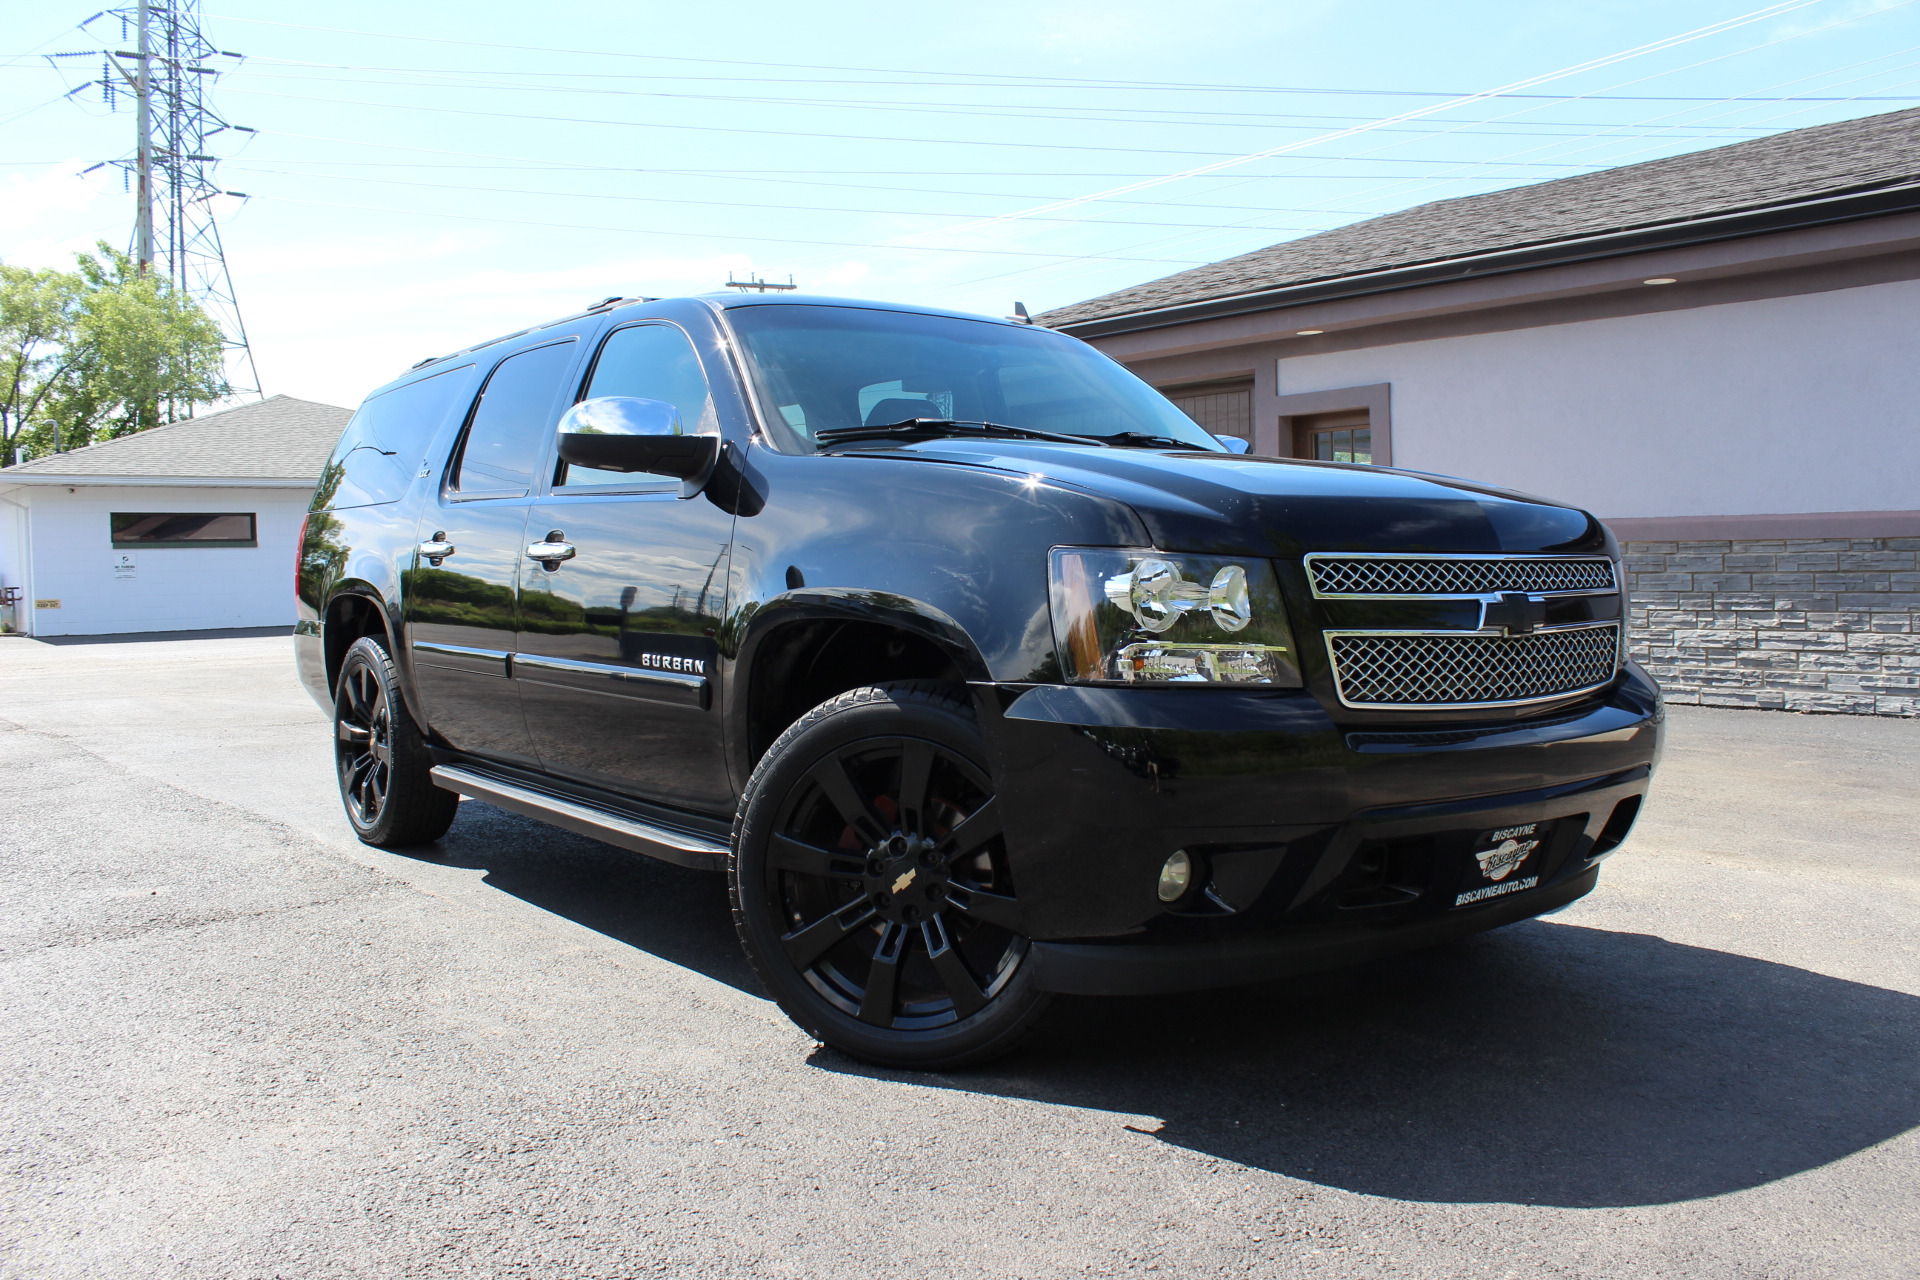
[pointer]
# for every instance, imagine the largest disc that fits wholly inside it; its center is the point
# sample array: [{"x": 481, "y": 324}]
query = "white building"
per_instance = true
[
  {"x": 186, "y": 527},
  {"x": 1716, "y": 353}
]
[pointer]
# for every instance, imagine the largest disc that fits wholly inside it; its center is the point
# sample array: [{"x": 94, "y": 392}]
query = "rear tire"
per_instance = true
[
  {"x": 380, "y": 758},
  {"x": 870, "y": 882}
]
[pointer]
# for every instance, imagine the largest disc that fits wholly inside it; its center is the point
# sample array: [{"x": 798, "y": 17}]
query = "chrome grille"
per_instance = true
[
  {"x": 1455, "y": 576},
  {"x": 1387, "y": 669}
]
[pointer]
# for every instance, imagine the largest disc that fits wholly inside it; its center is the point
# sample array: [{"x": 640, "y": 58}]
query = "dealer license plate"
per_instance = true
[{"x": 1504, "y": 861}]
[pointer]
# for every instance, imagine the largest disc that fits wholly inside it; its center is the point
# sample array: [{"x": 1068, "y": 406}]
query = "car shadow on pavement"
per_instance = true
[
  {"x": 676, "y": 913},
  {"x": 1543, "y": 1064}
]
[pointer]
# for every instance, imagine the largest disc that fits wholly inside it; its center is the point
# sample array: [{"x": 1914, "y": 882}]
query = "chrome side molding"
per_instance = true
[{"x": 660, "y": 683}]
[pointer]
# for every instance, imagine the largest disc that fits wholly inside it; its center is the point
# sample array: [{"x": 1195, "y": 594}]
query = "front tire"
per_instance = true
[
  {"x": 380, "y": 758},
  {"x": 870, "y": 882}
]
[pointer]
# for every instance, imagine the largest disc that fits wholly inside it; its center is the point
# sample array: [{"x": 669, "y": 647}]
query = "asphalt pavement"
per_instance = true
[{"x": 237, "y": 1043}]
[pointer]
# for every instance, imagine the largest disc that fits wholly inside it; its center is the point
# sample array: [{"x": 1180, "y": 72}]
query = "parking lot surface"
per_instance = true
[{"x": 240, "y": 1044}]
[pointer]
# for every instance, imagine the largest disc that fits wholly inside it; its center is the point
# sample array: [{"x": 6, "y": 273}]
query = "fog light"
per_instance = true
[{"x": 1176, "y": 877}]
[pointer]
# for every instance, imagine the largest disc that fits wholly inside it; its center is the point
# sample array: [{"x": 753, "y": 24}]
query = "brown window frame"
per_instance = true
[
  {"x": 1308, "y": 427},
  {"x": 1374, "y": 400}
]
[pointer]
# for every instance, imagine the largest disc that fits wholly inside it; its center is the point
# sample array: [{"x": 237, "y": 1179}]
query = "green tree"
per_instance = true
[
  {"x": 101, "y": 351},
  {"x": 37, "y": 352}
]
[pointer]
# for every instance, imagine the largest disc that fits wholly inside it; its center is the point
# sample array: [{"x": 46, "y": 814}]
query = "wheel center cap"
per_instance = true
[{"x": 905, "y": 880}]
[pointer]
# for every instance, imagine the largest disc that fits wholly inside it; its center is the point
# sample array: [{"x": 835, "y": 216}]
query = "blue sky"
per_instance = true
[{"x": 428, "y": 174}]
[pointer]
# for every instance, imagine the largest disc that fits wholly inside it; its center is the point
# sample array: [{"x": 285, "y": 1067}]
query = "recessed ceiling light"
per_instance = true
[
  {"x": 1308, "y": 333},
  {"x": 1661, "y": 280}
]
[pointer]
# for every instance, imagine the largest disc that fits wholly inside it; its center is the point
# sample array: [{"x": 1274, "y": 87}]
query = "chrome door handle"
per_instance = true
[
  {"x": 551, "y": 550},
  {"x": 437, "y": 548}
]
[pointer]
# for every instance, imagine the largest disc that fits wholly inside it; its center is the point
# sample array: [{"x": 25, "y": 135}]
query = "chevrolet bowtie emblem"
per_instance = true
[
  {"x": 906, "y": 878},
  {"x": 1515, "y": 613}
]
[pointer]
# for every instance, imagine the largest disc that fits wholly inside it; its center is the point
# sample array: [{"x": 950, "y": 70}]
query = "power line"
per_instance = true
[
  {"x": 1617, "y": 131},
  {"x": 716, "y": 204},
  {"x": 1246, "y": 224},
  {"x": 1116, "y": 86},
  {"x": 41, "y": 106},
  {"x": 1009, "y": 111},
  {"x": 731, "y": 175},
  {"x": 1668, "y": 42},
  {"x": 14, "y": 58},
  {"x": 1534, "y": 151},
  {"x": 690, "y": 235},
  {"x": 918, "y": 82},
  {"x": 922, "y": 77},
  {"x": 734, "y": 174},
  {"x": 1129, "y": 115},
  {"x": 1771, "y": 10},
  {"x": 931, "y": 173},
  {"x": 1165, "y": 240},
  {"x": 749, "y": 175},
  {"x": 1001, "y": 82},
  {"x": 834, "y": 137},
  {"x": 736, "y": 171}
]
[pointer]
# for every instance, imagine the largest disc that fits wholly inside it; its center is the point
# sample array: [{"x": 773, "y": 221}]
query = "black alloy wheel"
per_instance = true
[
  {"x": 382, "y": 763},
  {"x": 363, "y": 728},
  {"x": 871, "y": 886}
]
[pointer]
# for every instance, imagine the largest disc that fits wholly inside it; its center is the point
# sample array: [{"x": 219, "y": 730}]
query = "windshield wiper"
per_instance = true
[
  {"x": 1145, "y": 440},
  {"x": 935, "y": 428}
]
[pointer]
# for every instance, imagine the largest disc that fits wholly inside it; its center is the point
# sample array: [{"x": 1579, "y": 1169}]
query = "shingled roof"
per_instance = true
[
  {"x": 279, "y": 438},
  {"x": 1850, "y": 156}
]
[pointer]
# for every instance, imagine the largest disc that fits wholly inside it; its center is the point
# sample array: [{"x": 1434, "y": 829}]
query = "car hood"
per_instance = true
[{"x": 1239, "y": 504}]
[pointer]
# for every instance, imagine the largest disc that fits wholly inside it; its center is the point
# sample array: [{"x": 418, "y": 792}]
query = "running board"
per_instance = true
[{"x": 682, "y": 847}]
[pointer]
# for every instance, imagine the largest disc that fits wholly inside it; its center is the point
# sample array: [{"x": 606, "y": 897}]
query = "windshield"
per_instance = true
[{"x": 822, "y": 368}]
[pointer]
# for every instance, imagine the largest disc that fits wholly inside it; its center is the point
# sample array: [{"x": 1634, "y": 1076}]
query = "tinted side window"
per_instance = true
[
  {"x": 509, "y": 427},
  {"x": 381, "y": 449},
  {"x": 656, "y": 362}
]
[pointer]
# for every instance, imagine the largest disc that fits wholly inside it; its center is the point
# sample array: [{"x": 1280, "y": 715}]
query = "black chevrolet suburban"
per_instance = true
[{"x": 980, "y": 670}]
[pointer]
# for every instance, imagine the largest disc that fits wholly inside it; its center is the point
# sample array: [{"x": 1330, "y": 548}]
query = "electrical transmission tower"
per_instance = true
[{"x": 163, "y": 69}]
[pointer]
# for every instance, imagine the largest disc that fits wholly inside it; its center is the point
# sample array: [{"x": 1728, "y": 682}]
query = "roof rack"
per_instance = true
[{"x": 603, "y": 305}]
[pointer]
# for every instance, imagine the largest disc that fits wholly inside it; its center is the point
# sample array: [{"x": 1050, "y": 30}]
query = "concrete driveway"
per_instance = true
[{"x": 240, "y": 1044}]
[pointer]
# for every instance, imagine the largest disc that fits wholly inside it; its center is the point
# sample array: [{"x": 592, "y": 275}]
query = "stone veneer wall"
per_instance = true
[{"x": 1789, "y": 624}]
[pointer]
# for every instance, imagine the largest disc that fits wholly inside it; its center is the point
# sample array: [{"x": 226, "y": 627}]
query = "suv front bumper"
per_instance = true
[{"x": 1319, "y": 844}]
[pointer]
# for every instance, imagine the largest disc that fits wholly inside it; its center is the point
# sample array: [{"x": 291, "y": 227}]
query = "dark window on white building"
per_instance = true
[{"x": 183, "y": 529}]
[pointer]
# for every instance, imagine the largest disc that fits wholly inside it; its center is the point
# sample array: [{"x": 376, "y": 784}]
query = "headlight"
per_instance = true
[{"x": 1144, "y": 617}]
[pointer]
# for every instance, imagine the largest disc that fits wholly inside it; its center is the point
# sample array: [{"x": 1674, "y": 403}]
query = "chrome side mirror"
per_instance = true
[
  {"x": 1235, "y": 444},
  {"x": 633, "y": 434},
  {"x": 621, "y": 416}
]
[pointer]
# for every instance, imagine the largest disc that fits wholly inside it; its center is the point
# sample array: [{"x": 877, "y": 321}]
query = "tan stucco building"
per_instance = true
[{"x": 1718, "y": 353}]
